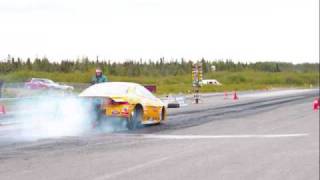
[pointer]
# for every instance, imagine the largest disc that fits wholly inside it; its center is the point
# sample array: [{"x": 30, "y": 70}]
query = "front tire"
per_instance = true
[
  {"x": 163, "y": 114},
  {"x": 135, "y": 119}
]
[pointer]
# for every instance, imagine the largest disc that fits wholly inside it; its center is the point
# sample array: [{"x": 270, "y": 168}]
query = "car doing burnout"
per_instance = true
[
  {"x": 39, "y": 83},
  {"x": 129, "y": 101}
]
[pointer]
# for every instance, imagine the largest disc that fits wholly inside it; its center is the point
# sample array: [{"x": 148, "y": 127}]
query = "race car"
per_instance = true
[
  {"x": 40, "y": 83},
  {"x": 129, "y": 101}
]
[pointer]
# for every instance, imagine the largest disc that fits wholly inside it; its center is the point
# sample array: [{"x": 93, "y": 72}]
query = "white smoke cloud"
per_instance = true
[{"x": 53, "y": 116}]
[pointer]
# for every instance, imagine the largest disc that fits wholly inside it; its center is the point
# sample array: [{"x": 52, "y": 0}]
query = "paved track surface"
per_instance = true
[{"x": 263, "y": 135}]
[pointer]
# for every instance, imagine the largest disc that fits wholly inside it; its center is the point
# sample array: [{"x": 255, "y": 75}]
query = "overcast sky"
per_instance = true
[{"x": 243, "y": 30}]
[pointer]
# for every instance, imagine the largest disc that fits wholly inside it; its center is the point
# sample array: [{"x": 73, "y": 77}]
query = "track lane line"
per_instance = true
[
  {"x": 145, "y": 165},
  {"x": 160, "y": 136}
]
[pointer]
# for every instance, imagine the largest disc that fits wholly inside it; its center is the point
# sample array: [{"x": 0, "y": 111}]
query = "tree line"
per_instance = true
[{"x": 160, "y": 67}]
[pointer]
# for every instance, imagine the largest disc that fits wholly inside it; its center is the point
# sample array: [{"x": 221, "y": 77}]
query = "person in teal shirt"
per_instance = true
[{"x": 99, "y": 77}]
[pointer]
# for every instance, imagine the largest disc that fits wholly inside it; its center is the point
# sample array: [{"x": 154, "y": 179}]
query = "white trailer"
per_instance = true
[{"x": 210, "y": 82}]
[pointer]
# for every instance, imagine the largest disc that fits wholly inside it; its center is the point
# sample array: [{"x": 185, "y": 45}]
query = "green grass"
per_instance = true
[{"x": 244, "y": 80}]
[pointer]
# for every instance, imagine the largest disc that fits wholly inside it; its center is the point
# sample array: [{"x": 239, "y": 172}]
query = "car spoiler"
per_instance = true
[{"x": 114, "y": 98}]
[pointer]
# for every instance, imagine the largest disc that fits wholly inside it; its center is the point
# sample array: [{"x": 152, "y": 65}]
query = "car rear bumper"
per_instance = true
[{"x": 118, "y": 111}]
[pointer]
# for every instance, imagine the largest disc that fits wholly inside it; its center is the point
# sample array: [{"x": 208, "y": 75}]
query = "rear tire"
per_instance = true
[{"x": 135, "y": 118}]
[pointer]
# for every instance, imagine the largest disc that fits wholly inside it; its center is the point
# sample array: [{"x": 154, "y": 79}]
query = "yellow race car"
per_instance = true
[{"x": 129, "y": 101}]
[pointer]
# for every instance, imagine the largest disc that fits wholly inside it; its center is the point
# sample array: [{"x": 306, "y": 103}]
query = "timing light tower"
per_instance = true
[{"x": 196, "y": 80}]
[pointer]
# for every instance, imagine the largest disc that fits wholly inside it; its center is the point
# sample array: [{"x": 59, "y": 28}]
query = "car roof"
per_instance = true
[
  {"x": 115, "y": 84},
  {"x": 120, "y": 83},
  {"x": 107, "y": 89}
]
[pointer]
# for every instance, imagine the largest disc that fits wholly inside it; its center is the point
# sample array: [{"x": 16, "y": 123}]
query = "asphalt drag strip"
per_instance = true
[{"x": 253, "y": 138}]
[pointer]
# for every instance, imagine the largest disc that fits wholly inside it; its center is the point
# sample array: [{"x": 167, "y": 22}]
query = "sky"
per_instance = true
[{"x": 246, "y": 30}]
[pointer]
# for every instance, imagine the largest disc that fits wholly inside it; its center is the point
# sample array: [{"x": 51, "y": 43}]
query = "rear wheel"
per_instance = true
[
  {"x": 161, "y": 116},
  {"x": 135, "y": 118}
]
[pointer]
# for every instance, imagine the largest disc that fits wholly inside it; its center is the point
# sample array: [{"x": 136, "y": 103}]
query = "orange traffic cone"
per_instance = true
[
  {"x": 225, "y": 95},
  {"x": 2, "y": 109},
  {"x": 235, "y": 96},
  {"x": 316, "y": 104}
]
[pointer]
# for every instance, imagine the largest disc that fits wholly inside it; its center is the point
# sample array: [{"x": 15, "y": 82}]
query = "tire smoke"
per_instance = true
[{"x": 53, "y": 116}]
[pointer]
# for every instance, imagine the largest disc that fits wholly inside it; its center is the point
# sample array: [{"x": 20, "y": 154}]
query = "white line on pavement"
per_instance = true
[
  {"x": 160, "y": 136},
  {"x": 134, "y": 168}
]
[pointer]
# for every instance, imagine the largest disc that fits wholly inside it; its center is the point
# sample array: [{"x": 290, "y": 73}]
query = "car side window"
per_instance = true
[
  {"x": 138, "y": 91},
  {"x": 141, "y": 91}
]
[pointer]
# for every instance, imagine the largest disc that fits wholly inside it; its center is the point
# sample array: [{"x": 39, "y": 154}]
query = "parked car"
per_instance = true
[{"x": 40, "y": 83}]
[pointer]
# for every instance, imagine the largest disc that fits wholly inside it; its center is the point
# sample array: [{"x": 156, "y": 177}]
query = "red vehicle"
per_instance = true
[{"x": 37, "y": 83}]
